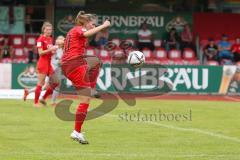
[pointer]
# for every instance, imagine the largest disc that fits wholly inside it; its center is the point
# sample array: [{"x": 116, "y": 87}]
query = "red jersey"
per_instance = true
[
  {"x": 75, "y": 44},
  {"x": 44, "y": 43},
  {"x": 236, "y": 48},
  {"x": 44, "y": 62}
]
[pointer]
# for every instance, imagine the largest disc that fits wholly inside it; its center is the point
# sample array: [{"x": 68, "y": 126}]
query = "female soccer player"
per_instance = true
[
  {"x": 45, "y": 50},
  {"x": 81, "y": 69},
  {"x": 55, "y": 62}
]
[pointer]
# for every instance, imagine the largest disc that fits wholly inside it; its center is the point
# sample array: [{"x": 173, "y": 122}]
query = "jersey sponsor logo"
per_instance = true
[
  {"x": 39, "y": 44},
  {"x": 49, "y": 45}
]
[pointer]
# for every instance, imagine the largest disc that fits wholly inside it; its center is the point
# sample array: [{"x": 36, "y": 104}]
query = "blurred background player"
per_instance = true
[
  {"x": 80, "y": 69},
  {"x": 44, "y": 68},
  {"x": 55, "y": 62}
]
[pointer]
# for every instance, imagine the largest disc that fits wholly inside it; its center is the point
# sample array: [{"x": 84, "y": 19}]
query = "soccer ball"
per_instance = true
[{"x": 136, "y": 58}]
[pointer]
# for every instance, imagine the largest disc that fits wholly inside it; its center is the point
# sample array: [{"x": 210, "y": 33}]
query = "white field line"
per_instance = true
[{"x": 194, "y": 130}]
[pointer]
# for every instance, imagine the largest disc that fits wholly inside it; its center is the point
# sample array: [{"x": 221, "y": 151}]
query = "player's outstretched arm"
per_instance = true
[
  {"x": 51, "y": 49},
  {"x": 95, "y": 30}
]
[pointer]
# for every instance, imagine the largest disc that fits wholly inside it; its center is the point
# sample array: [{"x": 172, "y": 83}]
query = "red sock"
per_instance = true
[
  {"x": 49, "y": 90},
  {"x": 37, "y": 93},
  {"x": 93, "y": 75},
  {"x": 80, "y": 116}
]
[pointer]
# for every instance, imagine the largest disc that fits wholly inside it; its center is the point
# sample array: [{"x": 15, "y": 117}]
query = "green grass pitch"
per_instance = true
[{"x": 212, "y": 133}]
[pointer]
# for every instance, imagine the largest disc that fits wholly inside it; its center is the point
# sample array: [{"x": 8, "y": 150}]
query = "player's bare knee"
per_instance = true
[
  {"x": 99, "y": 62},
  {"x": 41, "y": 82},
  {"x": 95, "y": 60},
  {"x": 56, "y": 81},
  {"x": 84, "y": 92},
  {"x": 85, "y": 99}
]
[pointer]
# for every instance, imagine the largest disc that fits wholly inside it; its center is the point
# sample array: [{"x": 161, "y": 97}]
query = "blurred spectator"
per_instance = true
[
  {"x": 224, "y": 48},
  {"x": 101, "y": 38},
  {"x": 92, "y": 41},
  {"x": 145, "y": 37},
  {"x": 173, "y": 40},
  {"x": 211, "y": 50},
  {"x": 69, "y": 20},
  {"x": 187, "y": 38},
  {"x": 236, "y": 50},
  {"x": 28, "y": 24},
  {"x": 6, "y": 50},
  {"x": 33, "y": 55},
  {"x": 1, "y": 40},
  {"x": 178, "y": 23}
]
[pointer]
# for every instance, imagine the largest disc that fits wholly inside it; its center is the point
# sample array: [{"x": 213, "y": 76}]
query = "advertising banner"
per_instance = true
[
  {"x": 230, "y": 81},
  {"x": 148, "y": 78},
  {"x": 157, "y": 78},
  {"x": 126, "y": 25},
  {"x": 23, "y": 76}
]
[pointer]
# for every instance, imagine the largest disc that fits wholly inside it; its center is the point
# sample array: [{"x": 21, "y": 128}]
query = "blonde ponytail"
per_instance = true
[{"x": 82, "y": 18}]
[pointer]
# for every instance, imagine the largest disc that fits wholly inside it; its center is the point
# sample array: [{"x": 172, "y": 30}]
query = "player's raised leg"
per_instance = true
[
  {"x": 54, "y": 96},
  {"x": 26, "y": 92},
  {"x": 32, "y": 90},
  {"x": 53, "y": 83},
  {"x": 94, "y": 65}
]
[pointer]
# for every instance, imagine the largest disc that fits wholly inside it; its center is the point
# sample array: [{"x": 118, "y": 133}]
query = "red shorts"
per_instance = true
[
  {"x": 75, "y": 70},
  {"x": 45, "y": 68}
]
